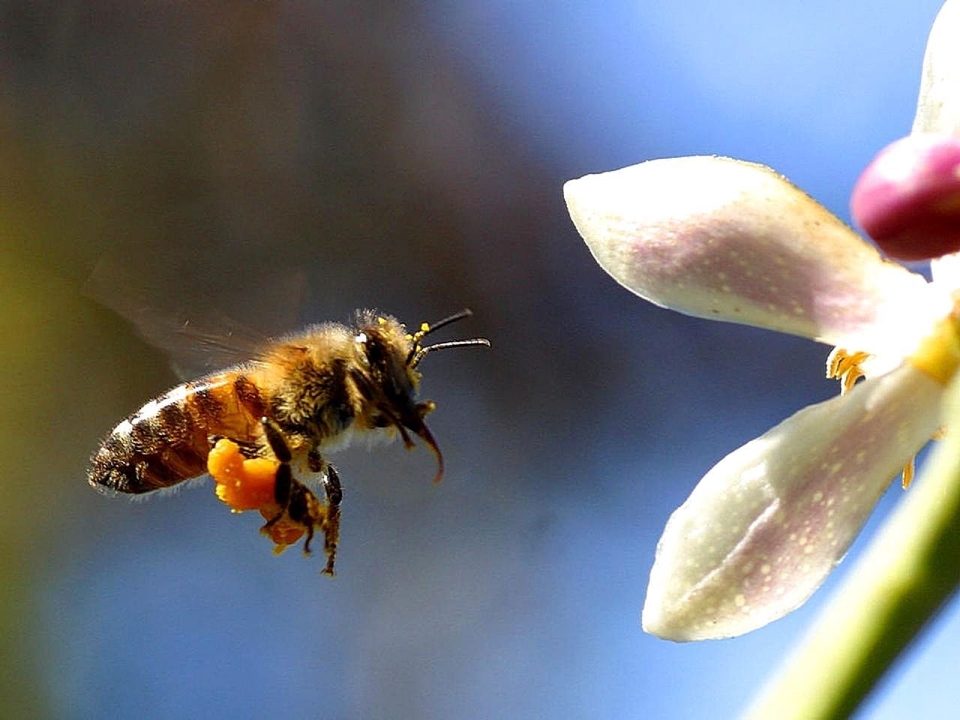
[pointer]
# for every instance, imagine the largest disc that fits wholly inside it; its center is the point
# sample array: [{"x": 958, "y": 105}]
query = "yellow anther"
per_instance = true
[
  {"x": 845, "y": 367},
  {"x": 908, "y": 471}
]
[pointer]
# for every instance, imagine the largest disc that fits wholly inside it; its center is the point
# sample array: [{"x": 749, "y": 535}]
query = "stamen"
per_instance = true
[
  {"x": 845, "y": 367},
  {"x": 908, "y": 472}
]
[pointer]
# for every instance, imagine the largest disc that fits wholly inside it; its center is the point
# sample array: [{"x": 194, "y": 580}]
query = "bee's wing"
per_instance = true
[
  {"x": 199, "y": 347},
  {"x": 195, "y": 345}
]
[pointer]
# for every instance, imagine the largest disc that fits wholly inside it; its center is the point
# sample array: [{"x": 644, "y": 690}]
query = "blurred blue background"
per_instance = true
[{"x": 289, "y": 162}]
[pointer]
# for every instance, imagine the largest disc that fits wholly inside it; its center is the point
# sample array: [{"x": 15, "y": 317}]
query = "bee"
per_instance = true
[{"x": 261, "y": 426}]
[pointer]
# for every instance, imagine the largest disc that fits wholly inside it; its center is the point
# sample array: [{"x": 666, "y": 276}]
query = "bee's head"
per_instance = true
[{"x": 392, "y": 356}]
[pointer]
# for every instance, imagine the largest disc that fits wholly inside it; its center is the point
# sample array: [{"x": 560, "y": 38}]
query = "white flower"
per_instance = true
[{"x": 730, "y": 240}]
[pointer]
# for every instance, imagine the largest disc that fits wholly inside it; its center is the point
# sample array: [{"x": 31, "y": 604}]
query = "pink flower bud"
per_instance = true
[{"x": 908, "y": 198}]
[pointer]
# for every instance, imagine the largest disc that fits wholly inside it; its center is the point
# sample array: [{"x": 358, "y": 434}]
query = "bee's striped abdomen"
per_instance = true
[{"x": 167, "y": 441}]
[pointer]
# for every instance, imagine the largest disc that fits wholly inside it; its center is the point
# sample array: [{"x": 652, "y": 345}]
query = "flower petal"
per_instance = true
[
  {"x": 946, "y": 271},
  {"x": 765, "y": 526},
  {"x": 938, "y": 107},
  {"x": 730, "y": 240}
]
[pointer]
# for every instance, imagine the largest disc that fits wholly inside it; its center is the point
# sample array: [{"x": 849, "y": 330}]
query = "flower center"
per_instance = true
[
  {"x": 938, "y": 357},
  {"x": 939, "y": 353}
]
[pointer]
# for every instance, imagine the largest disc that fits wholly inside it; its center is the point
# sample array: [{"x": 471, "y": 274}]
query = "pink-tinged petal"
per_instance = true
[
  {"x": 938, "y": 107},
  {"x": 946, "y": 271},
  {"x": 908, "y": 198},
  {"x": 730, "y": 240},
  {"x": 765, "y": 526}
]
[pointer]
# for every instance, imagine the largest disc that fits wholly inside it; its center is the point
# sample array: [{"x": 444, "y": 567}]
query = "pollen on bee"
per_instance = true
[
  {"x": 283, "y": 532},
  {"x": 242, "y": 483},
  {"x": 248, "y": 484}
]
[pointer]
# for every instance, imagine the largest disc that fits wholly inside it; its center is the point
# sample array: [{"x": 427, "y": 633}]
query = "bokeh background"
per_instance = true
[{"x": 283, "y": 163}]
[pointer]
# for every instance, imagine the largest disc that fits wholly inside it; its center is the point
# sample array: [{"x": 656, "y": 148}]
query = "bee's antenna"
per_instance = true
[
  {"x": 417, "y": 352},
  {"x": 428, "y": 328},
  {"x": 418, "y": 355}
]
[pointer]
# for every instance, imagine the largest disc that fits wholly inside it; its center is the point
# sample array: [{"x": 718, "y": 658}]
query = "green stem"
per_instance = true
[{"x": 905, "y": 577}]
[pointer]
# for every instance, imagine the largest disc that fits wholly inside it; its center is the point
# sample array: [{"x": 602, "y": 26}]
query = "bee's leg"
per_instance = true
[
  {"x": 334, "y": 493},
  {"x": 331, "y": 527},
  {"x": 302, "y": 508},
  {"x": 283, "y": 483},
  {"x": 297, "y": 501},
  {"x": 283, "y": 493}
]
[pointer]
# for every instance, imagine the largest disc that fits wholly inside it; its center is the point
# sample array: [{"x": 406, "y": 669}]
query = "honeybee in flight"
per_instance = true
[{"x": 259, "y": 426}]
